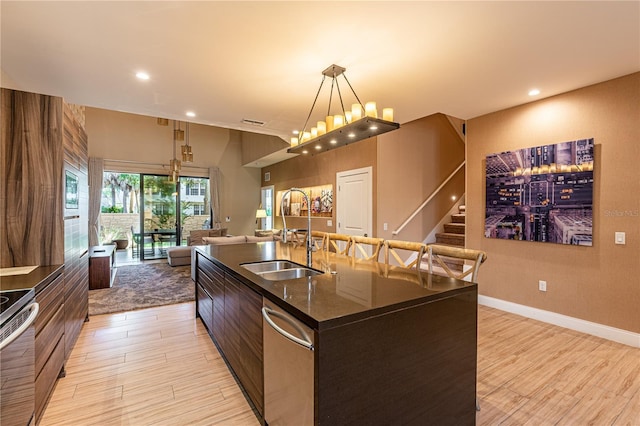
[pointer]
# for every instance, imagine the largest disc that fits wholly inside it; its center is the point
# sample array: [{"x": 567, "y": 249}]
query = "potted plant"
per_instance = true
[
  {"x": 112, "y": 235},
  {"x": 121, "y": 241}
]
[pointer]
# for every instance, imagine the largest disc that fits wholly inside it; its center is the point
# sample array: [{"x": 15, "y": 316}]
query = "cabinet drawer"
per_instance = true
[
  {"x": 216, "y": 274},
  {"x": 50, "y": 299},
  {"x": 47, "y": 378},
  {"x": 48, "y": 338},
  {"x": 205, "y": 308}
]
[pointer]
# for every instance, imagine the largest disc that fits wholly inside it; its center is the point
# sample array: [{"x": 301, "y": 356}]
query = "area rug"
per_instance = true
[{"x": 143, "y": 286}]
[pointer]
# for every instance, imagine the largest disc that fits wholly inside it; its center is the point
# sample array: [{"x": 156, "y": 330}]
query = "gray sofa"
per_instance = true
[{"x": 181, "y": 255}]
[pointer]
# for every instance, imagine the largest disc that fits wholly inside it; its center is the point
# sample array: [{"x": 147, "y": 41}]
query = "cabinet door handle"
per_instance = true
[{"x": 306, "y": 342}]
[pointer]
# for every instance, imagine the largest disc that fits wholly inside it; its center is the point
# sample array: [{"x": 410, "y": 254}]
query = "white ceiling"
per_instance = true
[{"x": 230, "y": 61}]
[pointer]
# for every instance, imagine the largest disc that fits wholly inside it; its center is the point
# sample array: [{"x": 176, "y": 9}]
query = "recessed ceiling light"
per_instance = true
[
  {"x": 295, "y": 132},
  {"x": 142, "y": 75},
  {"x": 318, "y": 147},
  {"x": 190, "y": 114},
  {"x": 333, "y": 141},
  {"x": 373, "y": 127},
  {"x": 305, "y": 152},
  {"x": 534, "y": 92}
]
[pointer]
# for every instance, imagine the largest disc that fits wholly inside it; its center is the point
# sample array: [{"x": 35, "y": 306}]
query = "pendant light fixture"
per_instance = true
[
  {"x": 174, "y": 163},
  {"x": 344, "y": 127},
  {"x": 187, "y": 154}
]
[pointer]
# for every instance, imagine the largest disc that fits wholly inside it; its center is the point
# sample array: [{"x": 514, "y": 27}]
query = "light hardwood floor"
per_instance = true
[
  {"x": 159, "y": 366},
  {"x": 152, "y": 366}
]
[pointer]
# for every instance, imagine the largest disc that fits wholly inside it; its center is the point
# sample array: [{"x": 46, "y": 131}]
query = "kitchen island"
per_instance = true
[{"x": 390, "y": 346}]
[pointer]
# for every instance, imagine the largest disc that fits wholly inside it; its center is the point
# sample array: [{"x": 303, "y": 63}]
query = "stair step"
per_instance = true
[
  {"x": 450, "y": 238},
  {"x": 454, "y": 228},
  {"x": 458, "y": 218}
]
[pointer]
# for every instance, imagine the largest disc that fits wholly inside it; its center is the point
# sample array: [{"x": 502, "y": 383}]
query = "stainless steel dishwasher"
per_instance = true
[{"x": 288, "y": 368}]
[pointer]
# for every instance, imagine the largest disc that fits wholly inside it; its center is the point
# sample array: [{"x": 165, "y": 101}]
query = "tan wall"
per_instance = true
[
  {"x": 256, "y": 145},
  {"x": 320, "y": 169},
  {"x": 598, "y": 283},
  {"x": 412, "y": 162},
  {"x": 408, "y": 164},
  {"x": 137, "y": 138}
]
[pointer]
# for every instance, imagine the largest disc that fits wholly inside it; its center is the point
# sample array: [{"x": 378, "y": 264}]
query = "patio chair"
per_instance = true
[{"x": 137, "y": 241}]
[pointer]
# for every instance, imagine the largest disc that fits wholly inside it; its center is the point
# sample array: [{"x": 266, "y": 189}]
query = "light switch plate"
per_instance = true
[
  {"x": 227, "y": 219},
  {"x": 329, "y": 222},
  {"x": 620, "y": 238}
]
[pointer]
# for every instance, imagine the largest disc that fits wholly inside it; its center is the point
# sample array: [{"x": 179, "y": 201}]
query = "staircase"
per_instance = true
[{"x": 453, "y": 235}]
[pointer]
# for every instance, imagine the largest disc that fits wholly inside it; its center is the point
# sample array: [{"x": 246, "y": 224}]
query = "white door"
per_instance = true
[{"x": 354, "y": 202}]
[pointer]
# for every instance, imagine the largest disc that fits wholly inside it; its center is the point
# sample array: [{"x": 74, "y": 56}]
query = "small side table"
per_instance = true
[{"x": 102, "y": 266}]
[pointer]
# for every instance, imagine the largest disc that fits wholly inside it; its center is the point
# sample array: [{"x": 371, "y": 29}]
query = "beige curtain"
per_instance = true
[
  {"x": 96, "y": 171},
  {"x": 214, "y": 187}
]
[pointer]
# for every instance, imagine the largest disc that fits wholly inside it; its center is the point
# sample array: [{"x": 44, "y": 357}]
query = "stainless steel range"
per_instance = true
[{"x": 18, "y": 311}]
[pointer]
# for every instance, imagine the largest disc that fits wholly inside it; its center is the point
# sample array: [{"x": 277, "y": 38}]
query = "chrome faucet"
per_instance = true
[{"x": 284, "y": 221}]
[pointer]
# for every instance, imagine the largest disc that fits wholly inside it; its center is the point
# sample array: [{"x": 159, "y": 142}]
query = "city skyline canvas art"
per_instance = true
[{"x": 542, "y": 193}]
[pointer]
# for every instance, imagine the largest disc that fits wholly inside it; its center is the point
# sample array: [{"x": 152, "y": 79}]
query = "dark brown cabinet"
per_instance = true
[
  {"x": 231, "y": 312},
  {"x": 39, "y": 228},
  {"x": 210, "y": 294},
  {"x": 406, "y": 356},
  {"x": 49, "y": 342},
  {"x": 102, "y": 262},
  {"x": 243, "y": 336}
]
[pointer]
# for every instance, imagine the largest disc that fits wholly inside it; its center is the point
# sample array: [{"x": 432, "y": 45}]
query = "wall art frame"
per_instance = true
[{"x": 542, "y": 193}]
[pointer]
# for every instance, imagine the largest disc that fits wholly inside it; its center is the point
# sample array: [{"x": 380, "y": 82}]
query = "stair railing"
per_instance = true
[{"x": 431, "y": 197}]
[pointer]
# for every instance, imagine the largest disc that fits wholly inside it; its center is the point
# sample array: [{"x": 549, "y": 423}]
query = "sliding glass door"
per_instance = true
[
  {"x": 160, "y": 217},
  {"x": 148, "y": 214}
]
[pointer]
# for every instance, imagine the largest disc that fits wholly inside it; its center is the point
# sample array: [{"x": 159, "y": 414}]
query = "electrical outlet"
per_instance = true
[
  {"x": 542, "y": 285},
  {"x": 329, "y": 222},
  {"x": 385, "y": 226},
  {"x": 620, "y": 238}
]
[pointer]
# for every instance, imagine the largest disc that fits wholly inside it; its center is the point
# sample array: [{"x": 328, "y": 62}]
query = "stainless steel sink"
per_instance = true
[
  {"x": 270, "y": 266},
  {"x": 289, "y": 274},
  {"x": 278, "y": 270}
]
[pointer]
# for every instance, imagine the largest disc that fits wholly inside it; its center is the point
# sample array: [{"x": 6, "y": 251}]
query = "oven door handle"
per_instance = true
[{"x": 34, "y": 308}]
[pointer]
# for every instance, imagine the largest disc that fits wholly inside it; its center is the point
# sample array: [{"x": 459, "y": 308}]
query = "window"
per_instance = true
[
  {"x": 197, "y": 188},
  {"x": 198, "y": 209}
]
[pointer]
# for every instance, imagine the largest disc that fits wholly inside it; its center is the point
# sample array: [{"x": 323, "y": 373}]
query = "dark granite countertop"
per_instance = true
[
  {"x": 36, "y": 279},
  {"x": 348, "y": 291}
]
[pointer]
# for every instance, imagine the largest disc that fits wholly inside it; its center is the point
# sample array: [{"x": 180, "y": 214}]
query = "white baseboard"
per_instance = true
[{"x": 610, "y": 333}]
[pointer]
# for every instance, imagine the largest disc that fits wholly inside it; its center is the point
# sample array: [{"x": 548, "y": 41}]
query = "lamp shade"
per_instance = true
[{"x": 261, "y": 213}]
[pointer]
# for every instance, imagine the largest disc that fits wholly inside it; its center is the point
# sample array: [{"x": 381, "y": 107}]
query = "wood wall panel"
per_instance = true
[
  {"x": 76, "y": 231},
  {"x": 31, "y": 230},
  {"x": 41, "y": 139}
]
